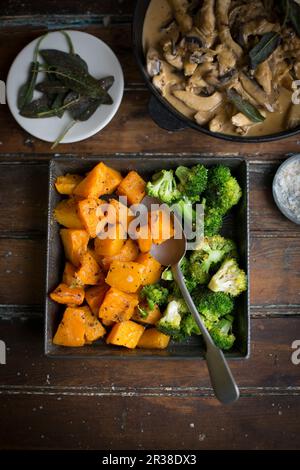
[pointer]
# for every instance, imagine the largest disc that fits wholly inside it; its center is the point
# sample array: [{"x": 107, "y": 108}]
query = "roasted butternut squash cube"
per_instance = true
[
  {"x": 129, "y": 252},
  {"x": 92, "y": 215},
  {"x": 75, "y": 244},
  {"x": 143, "y": 314},
  {"x": 95, "y": 296},
  {"x": 67, "y": 183},
  {"x": 111, "y": 241},
  {"x": 118, "y": 212},
  {"x": 69, "y": 275},
  {"x": 161, "y": 226},
  {"x": 125, "y": 334},
  {"x": 152, "y": 268},
  {"x": 93, "y": 327},
  {"x": 144, "y": 238},
  {"x": 89, "y": 271},
  {"x": 71, "y": 330},
  {"x": 64, "y": 294},
  {"x": 153, "y": 339},
  {"x": 125, "y": 275},
  {"x": 66, "y": 214},
  {"x": 133, "y": 187},
  {"x": 117, "y": 306},
  {"x": 100, "y": 180}
]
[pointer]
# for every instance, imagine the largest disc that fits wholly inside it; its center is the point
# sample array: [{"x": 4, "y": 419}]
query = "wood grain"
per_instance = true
[
  {"x": 81, "y": 422},
  {"x": 269, "y": 369}
]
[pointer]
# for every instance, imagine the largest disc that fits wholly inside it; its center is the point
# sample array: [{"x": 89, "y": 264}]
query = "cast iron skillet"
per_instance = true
[{"x": 162, "y": 112}]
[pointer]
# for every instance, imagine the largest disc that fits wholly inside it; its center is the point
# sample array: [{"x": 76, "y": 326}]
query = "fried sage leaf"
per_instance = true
[
  {"x": 64, "y": 60},
  {"x": 266, "y": 46},
  {"x": 26, "y": 91},
  {"x": 244, "y": 106},
  {"x": 51, "y": 87},
  {"x": 32, "y": 110}
]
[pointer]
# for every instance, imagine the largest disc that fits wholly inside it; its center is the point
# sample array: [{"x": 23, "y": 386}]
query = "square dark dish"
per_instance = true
[{"x": 236, "y": 226}]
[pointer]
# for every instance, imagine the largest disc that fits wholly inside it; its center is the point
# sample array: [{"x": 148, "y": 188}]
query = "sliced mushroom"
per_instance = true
[
  {"x": 293, "y": 119},
  {"x": 173, "y": 55},
  {"x": 153, "y": 62},
  {"x": 199, "y": 103},
  {"x": 253, "y": 89},
  {"x": 222, "y": 10},
  {"x": 264, "y": 76},
  {"x": 166, "y": 79},
  {"x": 205, "y": 20},
  {"x": 197, "y": 83},
  {"x": 170, "y": 33},
  {"x": 184, "y": 20}
]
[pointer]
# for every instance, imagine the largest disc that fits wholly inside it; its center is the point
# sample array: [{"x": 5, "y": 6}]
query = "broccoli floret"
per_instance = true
[
  {"x": 193, "y": 181},
  {"x": 213, "y": 305},
  {"x": 163, "y": 187},
  {"x": 211, "y": 251},
  {"x": 189, "y": 326},
  {"x": 167, "y": 275},
  {"x": 189, "y": 281},
  {"x": 229, "y": 279},
  {"x": 213, "y": 222},
  {"x": 182, "y": 306},
  {"x": 223, "y": 190},
  {"x": 222, "y": 334},
  {"x": 185, "y": 210},
  {"x": 155, "y": 294},
  {"x": 169, "y": 323},
  {"x": 142, "y": 312}
]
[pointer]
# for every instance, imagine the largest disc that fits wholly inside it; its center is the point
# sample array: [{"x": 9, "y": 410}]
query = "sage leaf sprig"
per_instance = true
[
  {"x": 244, "y": 106},
  {"x": 26, "y": 91},
  {"x": 262, "y": 51}
]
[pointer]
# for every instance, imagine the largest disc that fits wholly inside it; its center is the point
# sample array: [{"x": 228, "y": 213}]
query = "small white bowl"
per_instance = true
[
  {"x": 286, "y": 212},
  {"x": 101, "y": 62}
]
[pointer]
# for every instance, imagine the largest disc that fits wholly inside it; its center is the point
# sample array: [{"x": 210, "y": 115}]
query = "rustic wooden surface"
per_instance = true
[{"x": 78, "y": 404}]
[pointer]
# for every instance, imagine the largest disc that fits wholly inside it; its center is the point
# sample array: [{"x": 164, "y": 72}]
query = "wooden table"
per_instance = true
[{"x": 88, "y": 404}]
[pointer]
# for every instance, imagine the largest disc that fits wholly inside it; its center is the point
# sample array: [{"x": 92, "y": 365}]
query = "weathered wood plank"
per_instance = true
[
  {"x": 269, "y": 369},
  {"x": 133, "y": 129},
  {"x": 19, "y": 8},
  {"x": 69, "y": 422},
  {"x": 275, "y": 273}
]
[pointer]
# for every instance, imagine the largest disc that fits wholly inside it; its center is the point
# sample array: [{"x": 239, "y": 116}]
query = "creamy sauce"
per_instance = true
[{"x": 159, "y": 13}]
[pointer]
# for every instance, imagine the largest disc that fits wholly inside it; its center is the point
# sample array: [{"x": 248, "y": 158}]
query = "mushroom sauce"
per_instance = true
[{"x": 228, "y": 65}]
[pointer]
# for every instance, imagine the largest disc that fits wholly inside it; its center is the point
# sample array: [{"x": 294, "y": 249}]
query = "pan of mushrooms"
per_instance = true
[{"x": 228, "y": 68}]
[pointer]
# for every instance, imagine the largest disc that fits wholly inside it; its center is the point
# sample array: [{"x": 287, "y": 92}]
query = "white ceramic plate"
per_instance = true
[{"x": 101, "y": 62}]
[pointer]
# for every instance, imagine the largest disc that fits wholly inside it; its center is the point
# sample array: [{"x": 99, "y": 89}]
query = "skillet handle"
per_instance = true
[{"x": 164, "y": 118}]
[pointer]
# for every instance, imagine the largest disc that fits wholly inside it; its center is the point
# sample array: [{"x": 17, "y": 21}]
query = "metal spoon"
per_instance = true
[{"x": 170, "y": 253}]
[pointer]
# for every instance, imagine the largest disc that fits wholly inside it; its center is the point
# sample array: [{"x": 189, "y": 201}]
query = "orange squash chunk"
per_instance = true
[
  {"x": 129, "y": 252},
  {"x": 69, "y": 275},
  {"x": 66, "y": 214},
  {"x": 125, "y": 334},
  {"x": 133, "y": 187},
  {"x": 144, "y": 238},
  {"x": 117, "y": 306},
  {"x": 100, "y": 180},
  {"x": 92, "y": 216},
  {"x": 152, "y": 315},
  {"x": 71, "y": 330},
  {"x": 125, "y": 275},
  {"x": 117, "y": 212},
  {"x": 110, "y": 242},
  {"x": 75, "y": 244},
  {"x": 67, "y": 183},
  {"x": 152, "y": 268},
  {"x": 153, "y": 339},
  {"x": 64, "y": 294},
  {"x": 95, "y": 296},
  {"x": 161, "y": 226},
  {"x": 93, "y": 327},
  {"x": 89, "y": 271}
]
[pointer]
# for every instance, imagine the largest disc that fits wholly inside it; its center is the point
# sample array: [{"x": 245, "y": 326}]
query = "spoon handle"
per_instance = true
[{"x": 224, "y": 385}]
